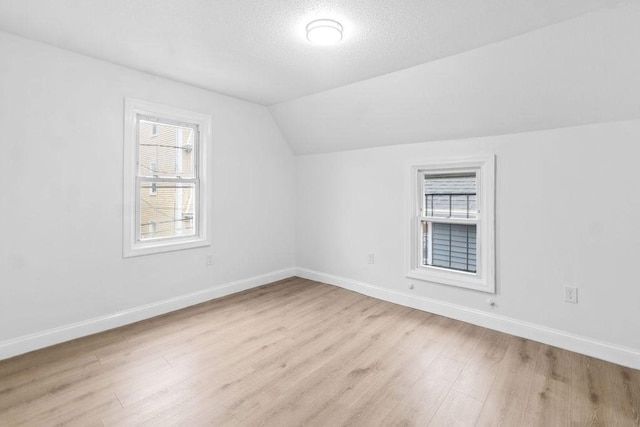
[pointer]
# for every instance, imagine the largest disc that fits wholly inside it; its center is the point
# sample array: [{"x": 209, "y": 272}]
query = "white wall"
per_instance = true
[
  {"x": 567, "y": 214},
  {"x": 576, "y": 72},
  {"x": 61, "y": 117}
]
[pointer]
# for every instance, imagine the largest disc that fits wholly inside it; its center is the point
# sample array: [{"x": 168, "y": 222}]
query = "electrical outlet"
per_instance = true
[
  {"x": 571, "y": 294},
  {"x": 209, "y": 260},
  {"x": 371, "y": 258}
]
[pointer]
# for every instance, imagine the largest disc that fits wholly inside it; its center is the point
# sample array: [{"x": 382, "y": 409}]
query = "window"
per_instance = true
[
  {"x": 448, "y": 221},
  {"x": 451, "y": 230},
  {"x": 165, "y": 178}
]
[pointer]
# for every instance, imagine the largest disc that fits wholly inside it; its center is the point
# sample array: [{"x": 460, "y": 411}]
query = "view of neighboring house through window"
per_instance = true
[
  {"x": 165, "y": 178},
  {"x": 449, "y": 221},
  {"x": 167, "y": 208}
]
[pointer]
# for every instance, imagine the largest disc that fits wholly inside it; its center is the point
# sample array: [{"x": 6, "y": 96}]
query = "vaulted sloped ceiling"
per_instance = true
[
  {"x": 406, "y": 71},
  {"x": 257, "y": 50},
  {"x": 586, "y": 70}
]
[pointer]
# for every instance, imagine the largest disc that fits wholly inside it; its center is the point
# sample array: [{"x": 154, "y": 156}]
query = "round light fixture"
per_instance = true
[{"x": 324, "y": 32}]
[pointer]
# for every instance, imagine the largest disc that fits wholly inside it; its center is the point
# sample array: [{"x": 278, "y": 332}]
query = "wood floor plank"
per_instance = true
[
  {"x": 84, "y": 385},
  {"x": 33, "y": 364},
  {"x": 462, "y": 340},
  {"x": 426, "y": 395},
  {"x": 548, "y": 402},
  {"x": 457, "y": 409},
  {"x": 301, "y": 382},
  {"x": 599, "y": 396},
  {"x": 396, "y": 370},
  {"x": 175, "y": 401},
  {"x": 386, "y": 389},
  {"x": 299, "y": 352},
  {"x": 483, "y": 366},
  {"x": 506, "y": 402}
]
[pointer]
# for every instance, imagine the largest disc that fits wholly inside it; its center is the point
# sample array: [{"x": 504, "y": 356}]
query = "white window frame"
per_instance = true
[
  {"x": 484, "y": 168},
  {"x": 132, "y": 245}
]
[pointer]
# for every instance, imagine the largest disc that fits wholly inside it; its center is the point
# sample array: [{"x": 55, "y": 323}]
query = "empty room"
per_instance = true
[{"x": 322, "y": 213}]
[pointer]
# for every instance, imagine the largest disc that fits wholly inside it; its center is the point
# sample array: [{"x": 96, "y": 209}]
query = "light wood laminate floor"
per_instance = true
[{"x": 298, "y": 352}]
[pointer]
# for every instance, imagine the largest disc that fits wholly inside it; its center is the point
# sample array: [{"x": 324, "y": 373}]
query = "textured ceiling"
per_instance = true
[
  {"x": 585, "y": 70},
  {"x": 256, "y": 49}
]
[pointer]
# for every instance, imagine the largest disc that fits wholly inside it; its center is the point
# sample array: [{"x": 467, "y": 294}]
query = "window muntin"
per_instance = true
[
  {"x": 451, "y": 222},
  {"x": 165, "y": 178}
]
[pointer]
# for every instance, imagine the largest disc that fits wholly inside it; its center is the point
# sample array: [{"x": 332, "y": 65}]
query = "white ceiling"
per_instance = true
[
  {"x": 585, "y": 70},
  {"x": 256, "y": 49}
]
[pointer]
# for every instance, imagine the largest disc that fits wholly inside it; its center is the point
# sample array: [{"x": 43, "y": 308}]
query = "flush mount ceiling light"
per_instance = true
[{"x": 324, "y": 32}]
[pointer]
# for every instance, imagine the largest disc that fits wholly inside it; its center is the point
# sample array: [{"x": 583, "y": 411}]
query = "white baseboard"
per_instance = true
[
  {"x": 602, "y": 350},
  {"x": 27, "y": 343}
]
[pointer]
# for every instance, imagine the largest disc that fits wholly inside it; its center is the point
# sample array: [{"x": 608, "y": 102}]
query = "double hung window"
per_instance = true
[
  {"x": 449, "y": 221},
  {"x": 165, "y": 178},
  {"x": 451, "y": 229}
]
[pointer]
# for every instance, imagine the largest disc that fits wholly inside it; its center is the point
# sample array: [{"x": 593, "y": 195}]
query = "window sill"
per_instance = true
[
  {"x": 459, "y": 279},
  {"x": 161, "y": 247}
]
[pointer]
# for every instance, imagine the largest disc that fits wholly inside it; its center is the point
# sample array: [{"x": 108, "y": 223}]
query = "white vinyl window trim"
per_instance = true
[
  {"x": 134, "y": 111},
  {"x": 484, "y": 168}
]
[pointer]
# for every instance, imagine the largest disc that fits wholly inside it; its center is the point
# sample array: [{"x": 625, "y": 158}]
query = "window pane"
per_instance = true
[
  {"x": 449, "y": 246},
  {"x": 165, "y": 150},
  {"x": 166, "y": 210},
  {"x": 450, "y": 196}
]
